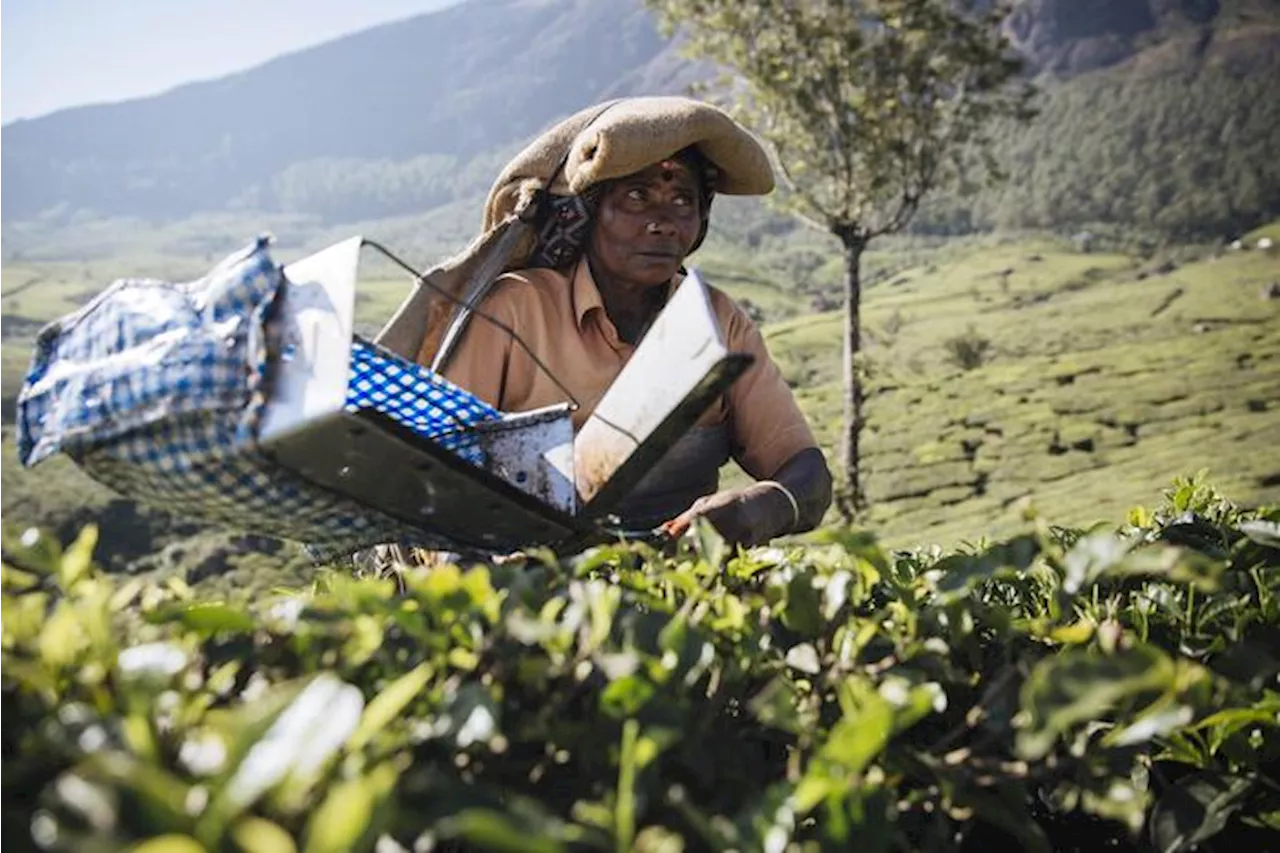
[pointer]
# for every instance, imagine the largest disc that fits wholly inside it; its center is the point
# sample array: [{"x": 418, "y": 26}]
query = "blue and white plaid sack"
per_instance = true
[{"x": 156, "y": 389}]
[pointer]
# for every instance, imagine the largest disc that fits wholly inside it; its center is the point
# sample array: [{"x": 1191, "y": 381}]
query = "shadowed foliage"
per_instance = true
[{"x": 1061, "y": 690}]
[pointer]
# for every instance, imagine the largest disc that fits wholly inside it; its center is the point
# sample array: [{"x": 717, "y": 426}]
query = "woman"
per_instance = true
[{"x": 598, "y": 278}]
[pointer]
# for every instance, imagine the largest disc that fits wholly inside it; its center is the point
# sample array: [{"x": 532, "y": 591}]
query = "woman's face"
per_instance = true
[{"x": 646, "y": 223}]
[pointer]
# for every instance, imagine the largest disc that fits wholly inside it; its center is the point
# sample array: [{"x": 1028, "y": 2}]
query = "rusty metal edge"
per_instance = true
[{"x": 646, "y": 455}]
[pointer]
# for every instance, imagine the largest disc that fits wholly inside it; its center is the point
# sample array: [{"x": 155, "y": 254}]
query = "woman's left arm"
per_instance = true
[
  {"x": 792, "y": 501},
  {"x": 807, "y": 479},
  {"x": 772, "y": 442}
]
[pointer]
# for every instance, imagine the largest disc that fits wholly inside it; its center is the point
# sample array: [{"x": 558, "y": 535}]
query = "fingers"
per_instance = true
[
  {"x": 732, "y": 513},
  {"x": 724, "y": 523},
  {"x": 677, "y": 527}
]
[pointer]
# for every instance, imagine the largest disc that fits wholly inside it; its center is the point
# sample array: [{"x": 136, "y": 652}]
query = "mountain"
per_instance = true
[
  {"x": 1155, "y": 114},
  {"x": 449, "y": 84},
  {"x": 411, "y": 116},
  {"x": 1074, "y": 36}
]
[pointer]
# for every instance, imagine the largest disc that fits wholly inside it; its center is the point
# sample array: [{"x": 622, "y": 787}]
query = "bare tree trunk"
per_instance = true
[{"x": 851, "y": 499}]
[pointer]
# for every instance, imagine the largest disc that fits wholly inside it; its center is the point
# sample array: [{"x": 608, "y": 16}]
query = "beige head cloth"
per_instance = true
[
  {"x": 604, "y": 142},
  {"x": 599, "y": 143}
]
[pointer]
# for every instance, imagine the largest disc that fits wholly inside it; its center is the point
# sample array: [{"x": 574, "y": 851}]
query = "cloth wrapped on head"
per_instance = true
[
  {"x": 566, "y": 221},
  {"x": 595, "y": 145},
  {"x": 611, "y": 141}
]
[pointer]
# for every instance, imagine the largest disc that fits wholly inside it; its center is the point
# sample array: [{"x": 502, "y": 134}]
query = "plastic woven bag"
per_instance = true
[{"x": 156, "y": 389}]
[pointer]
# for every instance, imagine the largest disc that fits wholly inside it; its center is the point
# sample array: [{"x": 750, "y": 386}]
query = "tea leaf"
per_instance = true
[
  {"x": 388, "y": 704},
  {"x": 1078, "y": 686}
]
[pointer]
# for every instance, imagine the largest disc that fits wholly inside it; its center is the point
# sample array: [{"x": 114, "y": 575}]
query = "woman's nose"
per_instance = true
[{"x": 661, "y": 223}]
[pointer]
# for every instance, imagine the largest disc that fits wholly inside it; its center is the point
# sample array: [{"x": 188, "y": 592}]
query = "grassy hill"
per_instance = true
[{"x": 1105, "y": 374}]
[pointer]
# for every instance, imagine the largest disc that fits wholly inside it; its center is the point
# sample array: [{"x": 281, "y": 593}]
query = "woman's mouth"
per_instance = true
[{"x": 660, "y": 254}]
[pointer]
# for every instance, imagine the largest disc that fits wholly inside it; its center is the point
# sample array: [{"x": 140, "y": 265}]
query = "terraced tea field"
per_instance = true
[
  {"x": 1103, "y": 380},
  {"x": 1103, "y": 375}
]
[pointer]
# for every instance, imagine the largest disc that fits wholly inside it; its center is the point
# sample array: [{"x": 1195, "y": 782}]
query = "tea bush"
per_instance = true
[
  {"x": 1063, "y": 689},
  {"x": 967, "y": 350}
]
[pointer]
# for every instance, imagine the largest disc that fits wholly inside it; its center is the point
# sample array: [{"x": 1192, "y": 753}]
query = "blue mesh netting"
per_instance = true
[{"x": 413, "y": 396}]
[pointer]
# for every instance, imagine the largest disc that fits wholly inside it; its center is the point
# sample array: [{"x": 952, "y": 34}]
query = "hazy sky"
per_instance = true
[{"x": 61, "y": 53}]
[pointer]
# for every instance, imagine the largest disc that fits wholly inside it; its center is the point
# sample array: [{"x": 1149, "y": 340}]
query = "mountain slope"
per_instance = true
[
  {"x": 409, "y": 117},
  {"x": 1069, "y": 37},
  {"x": 453, "y": 83},
  {"x": 1187, "y": 152}
]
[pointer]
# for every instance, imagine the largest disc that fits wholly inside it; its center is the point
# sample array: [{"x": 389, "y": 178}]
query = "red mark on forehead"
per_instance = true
[{"x": 670, "y": 168}]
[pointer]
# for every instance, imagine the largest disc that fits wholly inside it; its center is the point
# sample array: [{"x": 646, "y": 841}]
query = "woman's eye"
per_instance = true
[
  {"x": 684, "y": 200},
  {"x": 635, "y": 194}
]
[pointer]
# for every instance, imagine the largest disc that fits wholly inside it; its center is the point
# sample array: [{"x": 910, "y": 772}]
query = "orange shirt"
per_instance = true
[{"x": 565, "y": 323}]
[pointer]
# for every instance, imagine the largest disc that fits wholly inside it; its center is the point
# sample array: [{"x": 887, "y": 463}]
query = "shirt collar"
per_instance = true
[{"x": 586, "y": 293}]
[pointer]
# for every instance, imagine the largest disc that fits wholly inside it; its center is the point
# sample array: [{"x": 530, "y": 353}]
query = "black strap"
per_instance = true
[{"x": 537, "y": 211}]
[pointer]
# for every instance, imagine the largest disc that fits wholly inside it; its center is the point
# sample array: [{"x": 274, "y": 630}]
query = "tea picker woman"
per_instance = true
[{"x": 626, "y": 191}]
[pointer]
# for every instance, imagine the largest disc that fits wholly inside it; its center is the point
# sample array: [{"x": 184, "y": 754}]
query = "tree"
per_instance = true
[{"x": 868, "y": 105}]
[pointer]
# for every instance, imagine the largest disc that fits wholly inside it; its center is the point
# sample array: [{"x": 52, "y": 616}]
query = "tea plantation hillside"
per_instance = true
[
  {"x": 1089, "y": 377},
  {"x": 1093, "y": 376},
  {"x": 1042, "y": 683}
]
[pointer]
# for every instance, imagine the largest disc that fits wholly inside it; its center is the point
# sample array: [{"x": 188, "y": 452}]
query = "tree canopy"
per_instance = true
[{"x": 869, "y": 106}]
